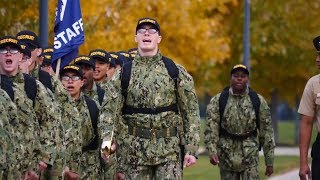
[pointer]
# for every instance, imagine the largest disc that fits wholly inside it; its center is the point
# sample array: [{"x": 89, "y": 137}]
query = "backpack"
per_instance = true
[
  {"x": 6, "y": 85},
  {"x": 173, "y": 71},
  {"x": 45, "y": 79},
  {"x": 222, "y": 105},
  {"x": 94, "y": 112},
  {"x": 30, "y": 86},
  {"x": 100, "y": 94}
]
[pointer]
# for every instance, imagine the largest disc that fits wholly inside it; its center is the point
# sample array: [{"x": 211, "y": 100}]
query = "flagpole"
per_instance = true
[{"x": 58, "y": 67}]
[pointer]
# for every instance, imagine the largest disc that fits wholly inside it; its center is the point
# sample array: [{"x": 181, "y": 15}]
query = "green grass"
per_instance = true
[
  {"x": 204, "y": 170},
  {"x": 287, "y": 133}
]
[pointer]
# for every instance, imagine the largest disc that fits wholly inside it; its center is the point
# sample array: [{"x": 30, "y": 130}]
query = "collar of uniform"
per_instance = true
[
  {"x": 101, "y": 83},
  {"x": 77, "y": 102},
  {"x": 18, "y": 78},
  {"x": 35, "y": 72},
  {"x": 148, "y": 60},
  {"x": 245, "y": 93},
  {"x": 91, "y": 92}
]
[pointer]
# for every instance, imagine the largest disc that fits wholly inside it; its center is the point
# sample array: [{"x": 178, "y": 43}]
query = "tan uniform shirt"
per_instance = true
[{"x": 310, "y": 100}]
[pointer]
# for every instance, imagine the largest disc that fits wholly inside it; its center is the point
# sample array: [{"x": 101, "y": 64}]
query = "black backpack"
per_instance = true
[
  {"x": 30, "y": 86},
  {"x": 6, "y": 85},
  {"x": 222, "y": 105},
  {"x": 100, "y": 94},
  {"x": 45, "y": 79},
  {"x": 173, "y": 71},
  {"x": 94, "y": 112}
]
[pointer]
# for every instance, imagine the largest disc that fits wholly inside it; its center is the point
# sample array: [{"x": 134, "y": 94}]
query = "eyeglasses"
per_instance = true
[
  {"x": 73, "y": 78},
  {"x": 11, "y": 50},
  {"x": 150, "y": 31}
]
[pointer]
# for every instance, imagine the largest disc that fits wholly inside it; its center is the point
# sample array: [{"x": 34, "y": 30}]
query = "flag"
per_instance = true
[{"x": 69, "y": 32}]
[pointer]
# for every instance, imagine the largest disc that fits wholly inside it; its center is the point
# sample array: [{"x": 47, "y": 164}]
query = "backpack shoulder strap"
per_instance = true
[
  {"x": 100, "y": 94},
  {"x": 172, "y": 69},
  {"x": 125, "y": 78},
  {"x": 94, "y": 113},
  {"x": 223, "y": 99},
  {"x": 126, "y": 74},
  {"x": 256, "y": 105},
  {"x": 45, "y": 79},
  {"x": 6, "y": 85},
  {"x": 30, "y": 87},
  {"x": 93, "y": 109}
]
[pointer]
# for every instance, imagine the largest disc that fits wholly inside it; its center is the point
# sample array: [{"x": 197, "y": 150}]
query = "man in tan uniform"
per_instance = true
[{"x": 309, "y": 110}]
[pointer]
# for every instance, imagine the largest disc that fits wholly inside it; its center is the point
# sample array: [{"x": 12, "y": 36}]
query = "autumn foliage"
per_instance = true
[{"x": 205, "y": 36}]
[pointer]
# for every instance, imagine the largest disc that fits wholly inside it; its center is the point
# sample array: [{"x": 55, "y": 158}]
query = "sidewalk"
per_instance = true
[
  {"x": 291, "y": 175},
  {"x": 280, "y": 151}
]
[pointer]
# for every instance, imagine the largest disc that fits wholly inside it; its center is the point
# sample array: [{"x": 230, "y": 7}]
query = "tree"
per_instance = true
[
  {"x": 15, "y": 17},
  {"x": 282, "y": 54},
  {"x": 193, "y": 31}
]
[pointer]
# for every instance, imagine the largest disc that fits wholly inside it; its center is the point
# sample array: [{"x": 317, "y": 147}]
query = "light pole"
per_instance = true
[
  {"x": 43, "y": 22},
  {"x": 246, "y": 37}
]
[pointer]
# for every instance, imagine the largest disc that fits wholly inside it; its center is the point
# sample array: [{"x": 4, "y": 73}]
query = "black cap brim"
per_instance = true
[{"x": 239, "y": 69}]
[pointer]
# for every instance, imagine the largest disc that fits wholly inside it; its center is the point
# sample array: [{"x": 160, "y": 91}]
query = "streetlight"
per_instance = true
[
  {"x": 43, "y": 23},
  {"x": 246, "y": 38}
]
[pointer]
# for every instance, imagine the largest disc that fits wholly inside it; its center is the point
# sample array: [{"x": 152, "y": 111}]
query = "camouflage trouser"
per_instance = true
[
  {"x": 90, "y": 165},
  {"x": 168, "y": 170},
  {"x": 109, "y": 169},
  {"x": 251, "y": 173}
]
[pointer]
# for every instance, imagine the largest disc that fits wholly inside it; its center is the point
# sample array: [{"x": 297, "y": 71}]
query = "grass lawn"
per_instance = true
[
  {"x": 287, "y": 133},
  {"x": 204, "y": 170}
]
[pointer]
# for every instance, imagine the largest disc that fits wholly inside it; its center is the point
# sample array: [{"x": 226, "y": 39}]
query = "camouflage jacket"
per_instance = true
[
  {"x": 35, "y": 72},
  {"x": 73, "y": 140},
  {"x": 8, "y": 138},
  {"x": 93, "y": 93},
  {"x": 102, "y": 84},
  {"x": 239, "y": 118},
  {"x": 48, "y": 122},
  {"x": 108, "y": 112},
  {"x": 87, "y": 129},
  {"x": 90, "y": 162},
  {"x": 26, "y": 129},
  {"x": 151, "y": 86}
]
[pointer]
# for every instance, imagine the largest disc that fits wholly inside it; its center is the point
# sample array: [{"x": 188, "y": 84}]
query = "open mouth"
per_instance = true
[
  {"x": 70, "y": 88},
  {"x": 8, "y": 61},
  {"x": 146, "y": 40}
]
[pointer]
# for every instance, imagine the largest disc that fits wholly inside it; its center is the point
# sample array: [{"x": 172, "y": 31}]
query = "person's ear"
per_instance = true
[
  {"x": 159, "y": 39},
  {"x": 39, "y": 51},
  {"x": 81, "y": 83}
]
